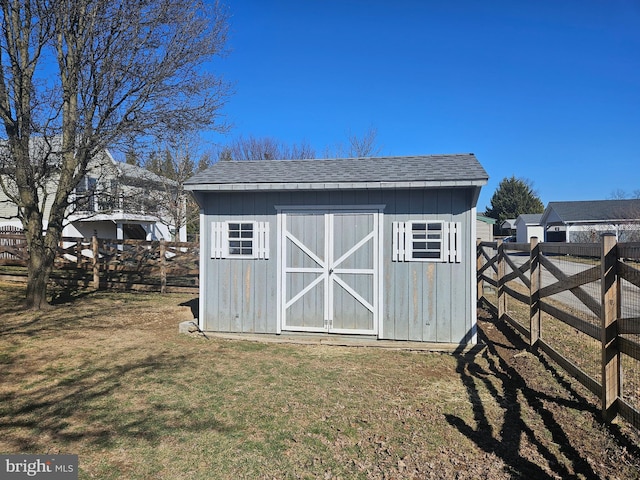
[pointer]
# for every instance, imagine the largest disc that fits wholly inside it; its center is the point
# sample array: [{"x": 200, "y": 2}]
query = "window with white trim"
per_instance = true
[
  {"x": 426, "y": 241},
  {"x": 242, "y": 239}
]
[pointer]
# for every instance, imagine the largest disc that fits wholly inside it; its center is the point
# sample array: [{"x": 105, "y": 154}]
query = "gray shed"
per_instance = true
[{"x": 381, "y": 247}]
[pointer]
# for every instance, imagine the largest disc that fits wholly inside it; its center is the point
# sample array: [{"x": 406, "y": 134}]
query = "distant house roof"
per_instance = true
[
  {"x": 592, "y": 211},
  {"x": 530, "y": 218},
  {"x": 485, "y": 219},
  {"x": 509, "y": 223},
  {"x": 457, "y": 170},
  {"x": 133, "y": 172}
]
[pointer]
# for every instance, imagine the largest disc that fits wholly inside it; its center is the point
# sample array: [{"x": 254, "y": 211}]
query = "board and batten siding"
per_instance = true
[
  {"x": 421, "y": 301},
  {"x": 428, "y": 301}
]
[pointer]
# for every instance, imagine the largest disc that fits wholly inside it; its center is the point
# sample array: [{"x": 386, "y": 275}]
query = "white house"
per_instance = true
[
  {"x": 114, "y": 200},
  {"x": 527, "y": 226},
  {"x": 585, "y": 221}
]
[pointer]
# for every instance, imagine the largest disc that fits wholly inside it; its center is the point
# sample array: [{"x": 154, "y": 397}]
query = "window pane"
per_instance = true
[
  {"x": 240, "y": 238},
  {"x": 426, "y": 254},
  {"x": 426, "y": 240}
]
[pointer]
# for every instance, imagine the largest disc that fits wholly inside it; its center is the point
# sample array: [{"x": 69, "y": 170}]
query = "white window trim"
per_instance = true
[
  {"x": 220, "y": 240},
  {"x": 450, "y": 241}
]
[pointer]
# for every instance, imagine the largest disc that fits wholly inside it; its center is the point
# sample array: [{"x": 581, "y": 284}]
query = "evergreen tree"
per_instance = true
[{"x": 513, "y": 197}]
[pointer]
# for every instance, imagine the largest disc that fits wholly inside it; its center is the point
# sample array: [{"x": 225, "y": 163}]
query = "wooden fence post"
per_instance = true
[
  {"x": 95, "y": 261},
  {"x": 78, "y": 253},
  {"x": 609, "y": 328},
  {"x": 163, "y": 266},
  {"x": 502, "y": 298},
  {"x": 534, "y": 292},
  {"x": 479, "y": 263}
]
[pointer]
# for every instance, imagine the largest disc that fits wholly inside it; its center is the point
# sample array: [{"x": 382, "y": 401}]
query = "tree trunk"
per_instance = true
[
  {"x": 37, "y": 283},
  {"x": 42, "y": 254}
]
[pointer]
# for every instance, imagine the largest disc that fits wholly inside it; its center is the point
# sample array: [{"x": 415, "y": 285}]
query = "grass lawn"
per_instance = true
[{"x": 107, "y": 376}]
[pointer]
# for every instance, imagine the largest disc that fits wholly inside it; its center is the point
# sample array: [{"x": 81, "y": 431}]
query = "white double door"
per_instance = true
[{"x": 329, "y": 271}]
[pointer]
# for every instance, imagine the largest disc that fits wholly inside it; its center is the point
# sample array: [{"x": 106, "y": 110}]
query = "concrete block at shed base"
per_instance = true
[{"x": 188, "y": 326}]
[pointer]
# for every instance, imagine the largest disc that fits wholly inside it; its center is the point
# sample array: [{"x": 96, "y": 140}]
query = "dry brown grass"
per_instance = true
[{"x": 106, "y": 376}]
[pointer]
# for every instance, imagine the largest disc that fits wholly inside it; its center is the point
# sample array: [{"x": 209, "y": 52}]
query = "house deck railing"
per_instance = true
[{"x": 577, "y": 303}]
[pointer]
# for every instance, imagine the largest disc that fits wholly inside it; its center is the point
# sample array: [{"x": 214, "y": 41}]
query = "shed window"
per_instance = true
[
  {"x": 426, "y": 241},
  {"x": 240, "y": 240}
]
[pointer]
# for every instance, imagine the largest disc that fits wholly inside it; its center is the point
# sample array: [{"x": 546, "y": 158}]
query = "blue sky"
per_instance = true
[{"x": 547, "y": 90}]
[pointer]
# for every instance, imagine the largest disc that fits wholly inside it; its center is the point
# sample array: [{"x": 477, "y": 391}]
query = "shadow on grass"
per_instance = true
[
  {"x": 20, "y": 321},
  {"x": 68, "y": 294},
  {"x": 71, "y": 309},
  {"x": 509, "y": 393},
  {"x": 100, "y": 403},
  {"x": 194, "y": 305}
]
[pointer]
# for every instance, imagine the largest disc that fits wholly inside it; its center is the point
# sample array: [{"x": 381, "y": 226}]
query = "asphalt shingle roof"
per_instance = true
[
  {"x": 531, "y": 218},
  {"x": 596, "y": 210},
  {"x": 426, "y": 168}
]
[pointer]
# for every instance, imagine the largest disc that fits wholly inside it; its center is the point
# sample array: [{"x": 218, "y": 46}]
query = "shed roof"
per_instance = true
[
  {"x": 508, "y": 223},
  {"x": 374, "y": 172},
  {"x": 593, "y": 211},
  {"x": 485, "y": 219},
  {"x": 530, "y": 218}
]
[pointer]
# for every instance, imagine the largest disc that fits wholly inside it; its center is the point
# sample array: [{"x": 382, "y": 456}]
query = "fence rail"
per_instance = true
[
  {"x": 115, "y": 264},
  {"x": 579, "y": 304}
]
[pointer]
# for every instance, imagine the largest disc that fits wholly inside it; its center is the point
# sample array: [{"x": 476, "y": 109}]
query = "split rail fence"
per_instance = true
[
  {"x": 577, "y": 303},
  {"x": 110, "y": 264}
]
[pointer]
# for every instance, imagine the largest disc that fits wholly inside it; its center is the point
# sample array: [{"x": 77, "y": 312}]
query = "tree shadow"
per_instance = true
[
  {"x": 512, "y": 394},
  {"x": 66, "y": 311},
  {"x": 86, "y": 404},
  {"x": 61, "y": 295},
  {"x": 68, "y": 315}
]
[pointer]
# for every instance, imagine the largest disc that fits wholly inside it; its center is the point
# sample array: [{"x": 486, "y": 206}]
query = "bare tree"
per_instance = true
[
  {"x": 175, "y": 163},
  {"x": 620, "y": 194},
  {"x": 365, "y": 146},
  {"x": 265, "y": 148},
  {"x": 80, "y": 75},
  {"x": 357, "y": 146}
]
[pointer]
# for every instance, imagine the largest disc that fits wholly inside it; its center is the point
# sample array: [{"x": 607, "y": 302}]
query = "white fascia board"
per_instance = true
[{"x": 230, "y": 187}]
